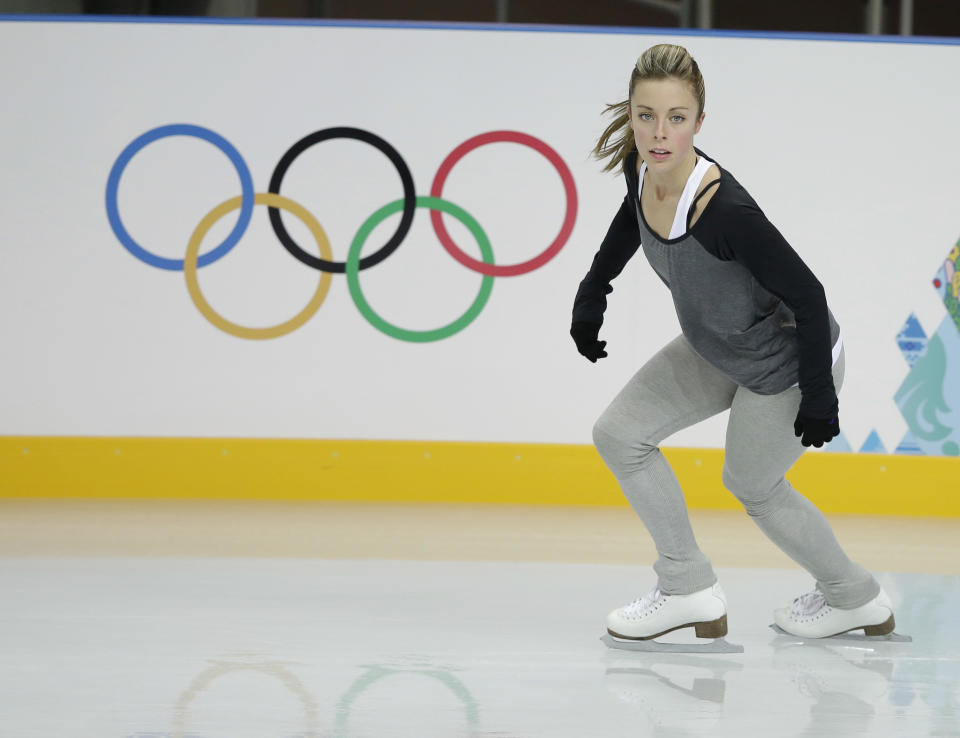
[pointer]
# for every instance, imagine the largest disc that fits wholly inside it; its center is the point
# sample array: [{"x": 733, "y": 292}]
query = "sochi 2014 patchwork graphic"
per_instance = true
[{"x": 929, "y": 397}]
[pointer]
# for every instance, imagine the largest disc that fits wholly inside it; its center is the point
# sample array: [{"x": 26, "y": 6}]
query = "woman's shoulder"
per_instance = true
[
  {"x": 733, "y": 217},
  {"x": 706, "y": 192},
  {"x": 728, "y": 196},
  {"x": 710, "y": 176}
]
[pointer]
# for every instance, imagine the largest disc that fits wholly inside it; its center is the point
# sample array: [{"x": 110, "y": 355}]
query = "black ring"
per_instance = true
[{"x": 409, "y": 198}]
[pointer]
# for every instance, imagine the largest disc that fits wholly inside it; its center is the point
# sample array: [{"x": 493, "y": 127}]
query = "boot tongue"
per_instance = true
[
  {"x": 642, "y": 603},
  {"x": 808, "y": 603}
]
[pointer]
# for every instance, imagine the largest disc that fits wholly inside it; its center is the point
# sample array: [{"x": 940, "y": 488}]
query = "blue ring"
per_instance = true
[{"x": 179, "y": 129}]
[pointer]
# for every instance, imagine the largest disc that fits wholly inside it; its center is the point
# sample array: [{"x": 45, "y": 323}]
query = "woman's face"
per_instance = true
[{"x": 663, "y": 115}]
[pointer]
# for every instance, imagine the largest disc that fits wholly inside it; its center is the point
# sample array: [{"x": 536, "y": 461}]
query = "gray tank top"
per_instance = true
[{"x": 728, "y": 317}]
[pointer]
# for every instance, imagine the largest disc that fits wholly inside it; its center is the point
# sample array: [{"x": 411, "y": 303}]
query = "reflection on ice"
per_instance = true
[{"x": 301, "y": 648}]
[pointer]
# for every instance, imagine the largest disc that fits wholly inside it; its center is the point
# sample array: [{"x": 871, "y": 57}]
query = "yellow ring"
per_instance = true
[
  {"x": 193, "y": 249},
  {"x": 277, "y": 670}
]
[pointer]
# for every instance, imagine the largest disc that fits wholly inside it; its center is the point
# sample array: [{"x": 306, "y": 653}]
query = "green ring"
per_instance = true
[
  {"x": 376, "y": 673},
  {"x": 353, "y": 271}
]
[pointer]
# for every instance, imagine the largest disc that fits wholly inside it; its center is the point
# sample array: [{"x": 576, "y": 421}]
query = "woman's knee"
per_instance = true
[
  {"x": 606, "y": 436},
  {"x": 620, "y": 449},
  {"x": 758, "y": 495}
]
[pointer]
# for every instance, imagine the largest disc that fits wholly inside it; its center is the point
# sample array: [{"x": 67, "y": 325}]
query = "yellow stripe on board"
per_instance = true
[{"x": 421, "y": 471}]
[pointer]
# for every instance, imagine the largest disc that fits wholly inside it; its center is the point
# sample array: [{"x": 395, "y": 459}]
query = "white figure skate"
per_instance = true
[
  {"x": 809, "y": 616},
  {"x": 634, "y": 627}
]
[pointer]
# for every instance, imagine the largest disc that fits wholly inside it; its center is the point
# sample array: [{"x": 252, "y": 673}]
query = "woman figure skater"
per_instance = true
[{"x": 757, "y": 339}]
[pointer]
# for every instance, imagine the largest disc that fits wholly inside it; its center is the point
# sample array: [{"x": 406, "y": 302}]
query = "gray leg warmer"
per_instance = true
[
  {"x": 673, "y": 390},
  {"x": 760, "y": 448},
  {"x": 676, "y": 389}
]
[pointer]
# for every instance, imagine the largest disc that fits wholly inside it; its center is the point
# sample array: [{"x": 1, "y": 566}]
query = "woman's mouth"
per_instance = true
[{"x": 659, "y": 154}]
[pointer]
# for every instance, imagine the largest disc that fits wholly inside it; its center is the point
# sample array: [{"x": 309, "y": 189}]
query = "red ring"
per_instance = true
[{"x": 506, "y": 270}]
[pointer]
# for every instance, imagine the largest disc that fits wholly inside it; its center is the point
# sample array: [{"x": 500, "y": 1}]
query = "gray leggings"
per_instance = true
[{"x": 676, "y": 389}]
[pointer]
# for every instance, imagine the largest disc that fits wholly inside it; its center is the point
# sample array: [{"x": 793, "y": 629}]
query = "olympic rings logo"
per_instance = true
[
  {"x": 279, "y": 670},
  {"x": 193, "y": 260}
]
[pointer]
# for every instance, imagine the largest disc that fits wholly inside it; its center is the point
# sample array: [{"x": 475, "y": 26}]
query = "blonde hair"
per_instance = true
[{"x": 663, "y": 61}]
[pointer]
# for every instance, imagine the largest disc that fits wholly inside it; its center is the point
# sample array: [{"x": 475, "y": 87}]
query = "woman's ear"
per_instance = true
[{"x": 700, "y": 122}]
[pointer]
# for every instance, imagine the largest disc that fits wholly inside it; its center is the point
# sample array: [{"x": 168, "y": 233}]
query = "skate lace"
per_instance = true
[
  {"x": 808, "y": 603},
  {"x": 642, "y": 603}
]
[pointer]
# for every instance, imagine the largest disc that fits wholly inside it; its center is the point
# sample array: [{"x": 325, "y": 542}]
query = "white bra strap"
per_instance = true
[
  {"x": 686, "y": 198},
  {"x": 679, "y": 226}
]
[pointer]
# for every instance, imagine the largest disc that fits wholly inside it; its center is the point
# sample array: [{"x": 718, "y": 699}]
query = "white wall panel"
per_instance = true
[{"x": 850, "y": 148}]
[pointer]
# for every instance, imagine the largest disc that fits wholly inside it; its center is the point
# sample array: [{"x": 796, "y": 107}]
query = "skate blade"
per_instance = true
[
  {"x": 890, "y": 637},
  {"x": 717, "y": 645}
]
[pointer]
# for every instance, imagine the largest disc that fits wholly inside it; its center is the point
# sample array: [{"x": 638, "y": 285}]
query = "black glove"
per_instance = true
[
  {"x": 816, "y": 431},
  {"x": 585, "y": 336}
]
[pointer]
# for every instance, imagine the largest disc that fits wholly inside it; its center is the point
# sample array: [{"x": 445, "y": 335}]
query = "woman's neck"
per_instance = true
[{"x": 670, "y": 184}]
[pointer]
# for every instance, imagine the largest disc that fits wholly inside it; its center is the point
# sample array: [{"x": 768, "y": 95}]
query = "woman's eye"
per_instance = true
[
  {"x": 678, "y": 119},
  {"x": 646, "y": 116}
]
